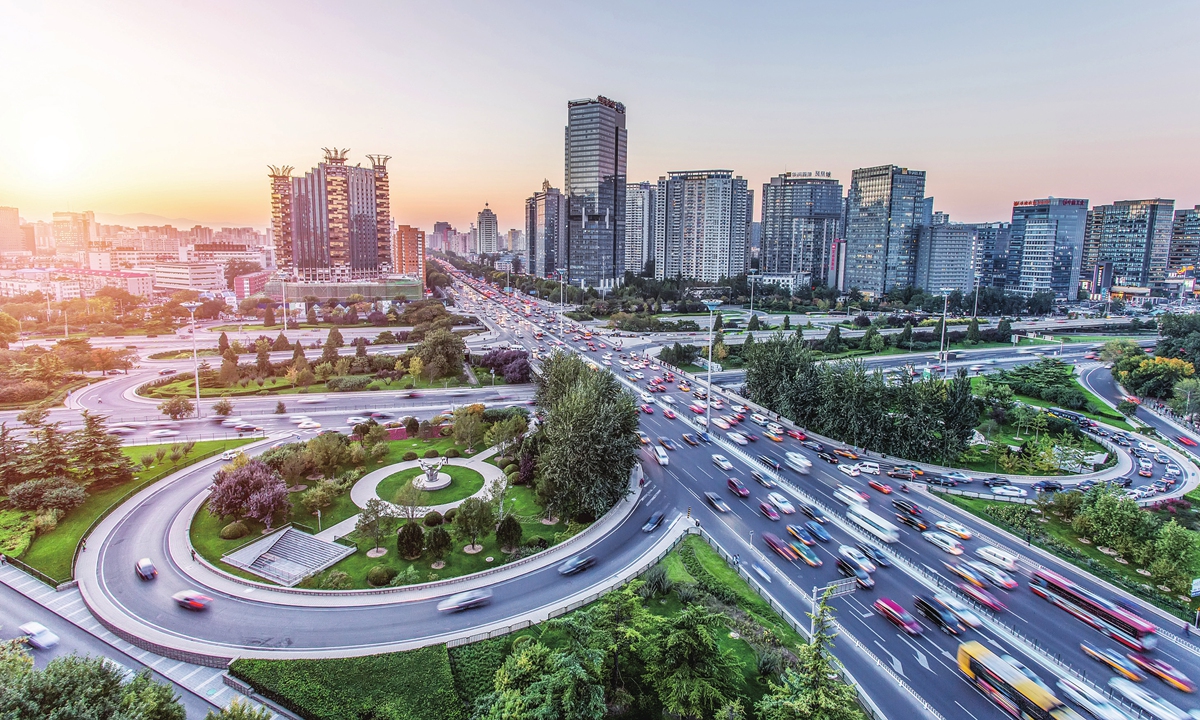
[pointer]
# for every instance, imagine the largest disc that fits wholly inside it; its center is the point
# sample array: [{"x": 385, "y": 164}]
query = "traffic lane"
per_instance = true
[
  {"x": 16, "y": 609},
  {"x": 1101, "y": 381}
]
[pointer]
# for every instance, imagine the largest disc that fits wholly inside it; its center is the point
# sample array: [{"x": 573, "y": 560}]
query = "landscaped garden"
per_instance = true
[
  {"x": 734, "y": 658},
  {"x": 465, "y": 482}
]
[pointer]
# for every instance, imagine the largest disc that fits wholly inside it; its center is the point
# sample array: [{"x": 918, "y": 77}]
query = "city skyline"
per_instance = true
[{"x": 98, "y": 128}]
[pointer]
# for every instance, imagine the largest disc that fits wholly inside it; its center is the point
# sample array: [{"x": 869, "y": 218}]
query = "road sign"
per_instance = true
[{"x": 1196, "y": 587}]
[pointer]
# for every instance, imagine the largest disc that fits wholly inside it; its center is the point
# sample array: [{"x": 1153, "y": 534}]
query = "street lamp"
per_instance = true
[
  {"x": 975, "y": 311},
  {"x": 943, "y": 351},
  {"x": 712, "y": 305},
  {"x": 191, "y": 306}
]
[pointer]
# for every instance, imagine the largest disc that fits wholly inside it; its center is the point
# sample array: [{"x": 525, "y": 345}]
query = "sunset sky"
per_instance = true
[{"x": 175, "y": 109}]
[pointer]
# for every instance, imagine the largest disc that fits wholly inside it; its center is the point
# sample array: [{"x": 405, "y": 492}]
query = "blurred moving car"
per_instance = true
[{"x": 466, "y": 600}]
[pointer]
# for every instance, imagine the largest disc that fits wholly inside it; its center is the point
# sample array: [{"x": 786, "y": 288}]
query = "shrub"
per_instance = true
[
  {"x": 409, "y": 456},
  {"x": 380, "y": 575},
  {"x": 54, "y": 493},
  {"x": 431, "y": 453},
  {"x": 508, "y": 533},
  {"x": 510, "y": 468},
  {"x": 46, "y": 520},
  {"x": 446, "y": 431},
  {"x": 234, "y": 530},
  {"x": 687, "y": 593},
  {"x": 453, "y": 453},
  {"x": 336, "y": 580},
  {"x": 448, "y": 518},
  {"x": 503, "y": 461},
  {"x": 474, "y": 666},
  {"x": 656, "y": 581},
  {"x": 433, "y": 518},
  {"x": 410, "y": 541}
]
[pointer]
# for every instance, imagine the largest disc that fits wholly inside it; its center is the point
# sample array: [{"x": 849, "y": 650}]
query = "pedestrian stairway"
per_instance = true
[{"x": 288, "y": 556}]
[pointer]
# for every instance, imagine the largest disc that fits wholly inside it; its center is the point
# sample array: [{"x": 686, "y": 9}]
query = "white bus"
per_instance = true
[{"x": 873, "y": 524}]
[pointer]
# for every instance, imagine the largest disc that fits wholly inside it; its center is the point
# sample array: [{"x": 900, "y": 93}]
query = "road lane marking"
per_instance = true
[{"x": 895, "y": 663}]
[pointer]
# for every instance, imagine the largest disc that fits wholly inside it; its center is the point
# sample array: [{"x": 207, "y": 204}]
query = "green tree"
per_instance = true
[
  {"x": 537, "y": 682},
  {"x": 973, "y": 335},
  {"x": 718, "y": 323},
  {"x": 269, "y": 315},
  {"x": 474, "y": 519},
  {"x": 262, "y": 361},
  {"x": 223, "y": 407},
  {"x": 441, "y": 353},
  {"x": 281, "y": 343},
  {"x": 376, "y": 521},
  {"x": 13, "y": 459},
  {"x": 1174, "y": 556},
  {"x": 239, "y": 710},
  {"x": 787, "y": 322},
  {"x": 327, "y": 452},
  {"x": 229, "y": 374},
  {"x": 222, "y": 344},
  {"x": 753, "y": 324},
  {"x": 438, "y": 542},
  {"x": 98, "y": 455},
  {"x": 1127, "y": 408},
  {"x": 504, "y": 432},
  {"x": 692, "y": 675},
  {"x": 77, "y": 687},
  {"x": 49, "y": 455},
  {"x": 508, "y": 533},
  {"x": 833, "y": 342},
  {"x": 1004, "y": 330},
  {"x": 468, "y": 428},
  {"x": 176, "y": 407},
  {"x": 410, "y": 540},
  {"x": 868, "y": 338}
]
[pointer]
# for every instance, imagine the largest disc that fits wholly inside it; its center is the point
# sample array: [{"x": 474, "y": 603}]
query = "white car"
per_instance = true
[
  {"x": 997, "y": 557},
  {"x": 738, "y": 438},
  {"x": 647, "y": 397},
  {"x": 667, "y": 399},
  {"x": 722, "y": 462},
  {"x": 1009, "y": 491},
  {"x": 120, "y": 430},
  {"x": 995, "y": 575},
  {"x": 310, "y": 400},
  {"x": 851, "y": 470},
  {"x": 1148, "y": 447},
  {"x": 952, "y": 528},
  {"x": 309, "y": 425},
  {"x": 870, "y": 468},
  {"x": 1090, "y": 700},
  {"x": 297, "y": 419},
  {"x": 1172, "y": 471},
  {"x": 960, "y": 609},
  {"x": 1156, "y": 705},
  {"x": 356, "y": 419},
  {"x": 781, "y": 503},
  {"x": 232, "y": 421},
  {"x": 943, "y": 541},
  {"x": 855, "y": 557},
  {"x": 230, "y": 454},
  {"x": 162, "y": 433},
  {"x": 660, "y": 455},
  {"x": 38, "y": 635}
]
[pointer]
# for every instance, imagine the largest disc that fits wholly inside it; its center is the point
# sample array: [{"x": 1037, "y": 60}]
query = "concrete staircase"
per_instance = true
[{"x": 288, "y": 556}]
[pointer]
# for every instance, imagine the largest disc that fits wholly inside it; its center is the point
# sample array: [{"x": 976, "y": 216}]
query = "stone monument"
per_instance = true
[{"x": 434, "y": 478}]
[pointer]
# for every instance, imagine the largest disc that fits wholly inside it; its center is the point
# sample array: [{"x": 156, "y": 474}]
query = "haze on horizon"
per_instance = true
[{"x": 175, "y": 109}]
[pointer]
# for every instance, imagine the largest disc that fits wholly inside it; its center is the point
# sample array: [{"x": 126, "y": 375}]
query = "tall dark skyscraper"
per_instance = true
[
  {"x": 595, "y": 189},
  {"x": 1134, "y": 235},
  {"x": 801, "y": 217},
  {"x": 1046, "y": 246},
  {"x": 1185, "y": 239},
  {"x": 546, "y": 230},
  {"x": 884, "y": 210}
]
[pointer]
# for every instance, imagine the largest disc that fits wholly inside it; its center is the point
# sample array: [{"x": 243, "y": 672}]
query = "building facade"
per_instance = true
[
  {"x": 408, "y": 251},
  {"x": 187, "y": 276},
  {"x": 488, "y": 232},
  {"x": 801, "y": 217},
  {"x": 1134, "y": 235},
  {"x": 639, "y": 225},
  {"x": 1045, "y": 248},
  {"x": 334, "y": 223},
  {"x": 546, "y": 231},
  {"x": 75, "y": 234},
  {"x": 884, "y": 209},
  {"x": 1185, "y": 239},
  {"x": 991, "y": 253},
  {"x": 12, "y": 237},
  {"x": 596, "y": 143},
  {"x": 702, "y": 225},
  {"x": 946, "y": 255},
  {"x": 250, "y": 284}
]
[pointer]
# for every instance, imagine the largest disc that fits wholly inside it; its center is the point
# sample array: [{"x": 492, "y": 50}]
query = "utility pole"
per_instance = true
[{"x": 712, "y": 305}]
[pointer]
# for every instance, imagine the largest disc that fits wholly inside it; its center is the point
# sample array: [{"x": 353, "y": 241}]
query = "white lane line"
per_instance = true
[
  {"x": 895, "y": 663},
  {"x": 965, "y": 710}
]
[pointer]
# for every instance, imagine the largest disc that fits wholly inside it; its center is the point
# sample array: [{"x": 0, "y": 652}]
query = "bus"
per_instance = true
[
  {"x": 872, "y": 523},
  {"x": 1008, "y": 687},
  {"x": 1124, "y": 627}
]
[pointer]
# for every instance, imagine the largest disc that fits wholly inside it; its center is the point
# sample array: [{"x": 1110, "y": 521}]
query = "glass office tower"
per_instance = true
[
  {"x": 1046, "y": 246},
  {"x": 801, "y": 217},
  {"x": 595, "y": 190},
  {"x": 884, "y": 209}
]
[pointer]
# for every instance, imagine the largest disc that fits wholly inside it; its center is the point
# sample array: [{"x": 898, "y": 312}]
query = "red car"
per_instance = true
[
  {"x": 738, "y": 488},
  {"x": 880, "y": 486},
  {"x": 647, "y": 409},
  {"x": 981, "y": 596},
  {"x": 897, "y": 615},
  {"x": 668, "y": 413},
  {"x": 769, "y": 510},
  {"x": 797, "y": 435},
  {"x": 780, "y": 546},
  {"x": 696, "y": 409},
  {"x": 1187, "y": 441}
]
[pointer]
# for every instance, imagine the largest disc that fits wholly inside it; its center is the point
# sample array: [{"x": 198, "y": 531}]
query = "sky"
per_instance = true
[{"x": 174, "y": 109}]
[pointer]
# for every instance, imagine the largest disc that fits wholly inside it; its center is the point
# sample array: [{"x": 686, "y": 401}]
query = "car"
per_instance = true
[
  {"x": 690, "y": 439},
  {"x": 379, "y": 415},
  {"x": 1163, "y": 671},
  {"x": 994, "y": 575},
  {"x": 781, "y": 503},
  {"x": 1186, "y": 440},
  {"x": 1172, "y": 471},
  {"x": 994, "y": 482},
  {"x": 912, "y": 521},
  {"x": 938, "y": 614},
  {"x": 577, "y": 564},
  {"x": 813, "y": 445},
  {"x": 828, "y": 457},
  {"x": 782, "y": 548},
  {"x": 794, "y": 434},
  {"x": 851, "y": 470},
  {"x": 38, "y": 635},
  {"x": 806, "y": 554},
  {"x": 814, "y": 512},
  {"x": 164, "y": 371},
  {"x": 876, "y": 555},
  {"x": 1094, "y": 702},
  {"x": 669, "y": 414},
  {"x": 466, "y": 600},
  {"x": 357, "y": 419},
  {"x": 941, "y": 480},
  {"x": 737, "y": 437},
  {"x": 1155, "y": 705},
  {"x": 721, "y": 423},
  {"x": 696, "y": 409},
  {"x": 722, "y": 462},
  {"x": 1000, "y": 558},
  {"x": 191, "y": 600},
  {"x": 845, "y": 453},
  {"x": 717, "y": 503},
  {"x": 761, "y": 479},
  {"x": 643, "y": 437},
  {"x": 769, "y": 462},
  {"x": 1009, "y": 491},
  {"x": 961, "y": 610},
  {"x": 655, "y": 520},
  {"x": 801, "y": 533},
  {"x": 943, "y": 542},
  {"x": 818, "y": 531},
  {"x": 162, "y": 433},
  {"x": 911, "y": 468},
  {"x": 661, "y": 457},
  {"x": 879, "y": 485},
  {"x": 773, "y": 437},
  {"x": 960, "y": 477},
  {"x": 906, "y": 505},
  {"x": 1161, "y": 458},
  {"x": 981, "y": 596},
  {"x": 967, "y": 573},
  {"x": 868, "y": 468},
  {"x": 247, "y": 427},
  {"x": 1147, "y": 447},
  {"x": 1146, "y": 470},
  {"x": 897, "y": 615},
  {"x": 1114, "y": 660},
  {"x": 860, "y": 576},
  {"x": 958, "y": 530},
  {"x": 668, "y": 443},
  {"x": 898, "y": 474},
  {"x": 230, "y": 455},
  {"x": 647, "y": 409},
  {"x": 737, "y": 487},
  {"x": 145, "y": 569},
  {"x": 309, "y": 425},
  {"x": 768, "y": 510},
  {"x": 856, "y": 557}
]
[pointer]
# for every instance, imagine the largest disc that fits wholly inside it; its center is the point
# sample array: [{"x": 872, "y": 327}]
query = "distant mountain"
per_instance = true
[{"x": 136, "y": 219}]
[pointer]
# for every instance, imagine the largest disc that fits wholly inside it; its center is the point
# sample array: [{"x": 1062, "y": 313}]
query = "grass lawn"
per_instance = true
[
  {"x": 466, "y": 482},
  {"x": 53, "y": 552},
  {"x": 183, "y": 354},
  {"x": 280, "y": 386},
  {"x": 1104, "y": 414}
]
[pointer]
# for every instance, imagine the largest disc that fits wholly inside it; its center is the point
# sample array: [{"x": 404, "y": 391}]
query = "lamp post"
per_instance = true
[
  {"x": 712, "y": 305},
  {"x": 191, "y": 306},
  {"x": 943, "y": 351},
  {"x": 975, "y": 311}
]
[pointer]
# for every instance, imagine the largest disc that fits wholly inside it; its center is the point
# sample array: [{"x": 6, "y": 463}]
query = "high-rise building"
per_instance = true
[
  {"x": 801, "y": 217},
  {"x": 1185, "y": 239},
  {"x": 334, "y": 223},
  {"x": 514, "y": 241},
  {"x": 946, "y": 254},
  {"x": 546, "y": 231},
  {"x": 884, "y": 209},
  {"x": 1134, "y": 235},
  {"x": 488, "y": 232},
  {"x": 74, "y": 233},
  {"x": 991, "y": 253},
  {"x": 702, "y": 225},
  {"x": 12, "y": 238},
  {"x": 408, "y": 251},
  {"x": 596, "y": 142},
  {"x": 1046, "y": 246},
  {"x": 639, "y": 225}
]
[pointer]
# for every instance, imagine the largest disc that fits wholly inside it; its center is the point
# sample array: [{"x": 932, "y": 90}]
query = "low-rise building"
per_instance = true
[
  {"x": 251, "y": 284},
  {"x": 187, "y": 276}
]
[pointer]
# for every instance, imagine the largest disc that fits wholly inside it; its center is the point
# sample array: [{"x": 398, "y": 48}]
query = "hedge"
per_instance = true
[
  {"x": 704, "y": 578},
  {"x": 474, "y": 666},
  {"x": 413, "y": 685}
]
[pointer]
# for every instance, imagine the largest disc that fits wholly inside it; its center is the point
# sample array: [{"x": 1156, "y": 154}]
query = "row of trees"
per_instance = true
[
  {"x": 1047, "y": 379},
  {"x": 33, "y": 373},
  {"x": 928, "y": 420},
  {"x": 1167, "y": 374}
]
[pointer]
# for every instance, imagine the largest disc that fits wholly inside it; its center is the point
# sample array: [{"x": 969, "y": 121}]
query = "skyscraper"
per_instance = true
[
  {"x": 801, "y": 217},
  {"x": 546, "y": 230},
  {"x": 702, "y": 225},
  {"x": 1185, "y": 239},
  {"x": 1046, "y": 246},
  {"x": 884, "y": 209},
  {"x": 991, "y": 253},
  {"x": 946, "y": 254},
  {"x": 488, "y": 231},
  {"x": 1135, "y": 236},
  {"x": 74, "y": 233},
  {"x": 334, "y": 223},
  {"x": 408, "y": 251},
  {"x": 639, "y": 225},
  {"x": 595, "y": 190},
  {"x": 12, "y": 237}
]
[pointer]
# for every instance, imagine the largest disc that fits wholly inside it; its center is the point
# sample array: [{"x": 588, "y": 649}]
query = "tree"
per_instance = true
[
  {"x": 328, "y": 451},
  {"x": 281, "y": 343},
  {"x": 49, "y": 456},
  {"x": 239, "y": 710},
  {"x": 474, "y": 519},
  {"x": 223, "y": 407},
  {"x": 222, "y": 344},
  {"x": 973, "y": 335},
  {"x": 468, "y": 428},
  {"x": 253, "y": 490},
  {"x": 281, "y": 408},
  {"x": 833, "y": 342},
  {"x": 262, "y": 360},
  {"x": 236, "y": 268},
  {"x": 410, "y": 540},
  {"x": 415, "y": 367},
  {"x": 753, "y": 324},
  {"x": 787, "y": 322},
  {"x": 412, "y": 426},
  {"x": 441, "y": 353},
  {"x": 438, "y": 542},
  {"x": 1174, "y": 555},
  {"x": 98, "y": 455},
  {"x": 13, "y": 459},
  {"x": 176, "y": 407},
  {"x": 537, "y": 682},
  {"x": 86, "y": 687},
  {"x": 503, "y": 432},
  {"x": 1004, "y": 330},
  {"x": 376, "y": 520},
  {"x": 687, "y": 667},
  {"x": 376, "y": 435},
  {"x": 718, "y": 322},
  {"x": 409, "y": 500},
  {"x": 508, "y": 533}
]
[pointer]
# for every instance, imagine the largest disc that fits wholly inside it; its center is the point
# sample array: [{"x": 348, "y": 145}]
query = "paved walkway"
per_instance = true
[{"x": 365, "y": 489}]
